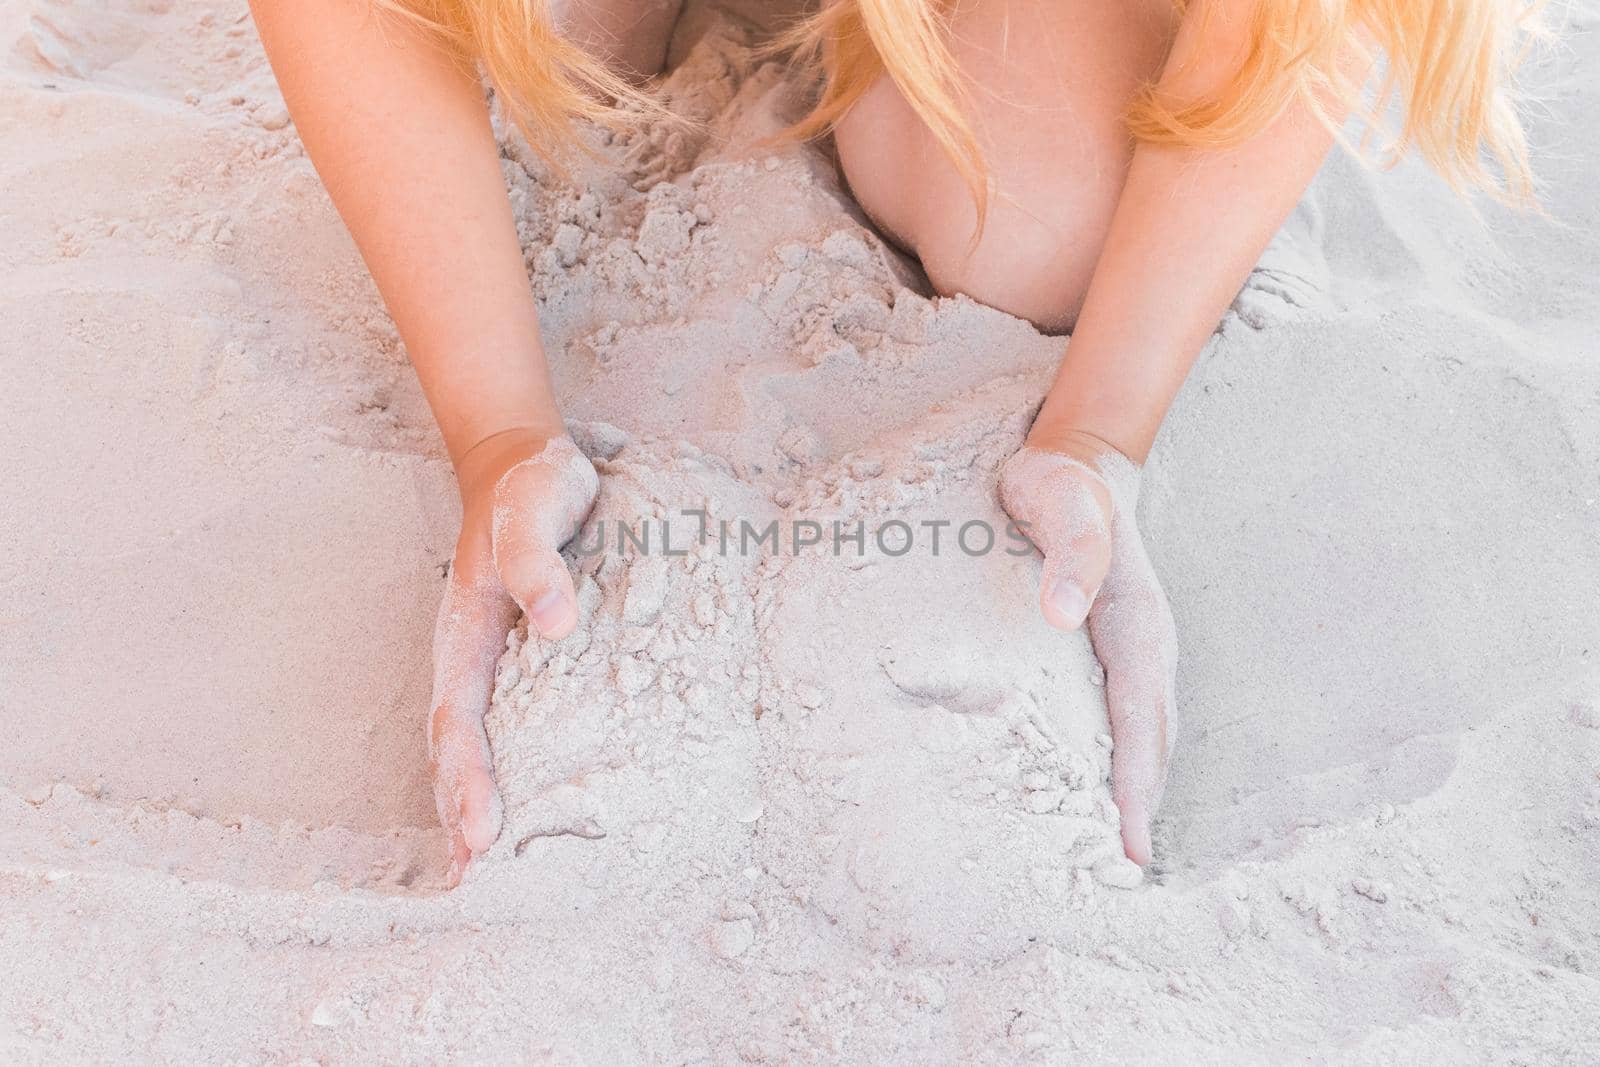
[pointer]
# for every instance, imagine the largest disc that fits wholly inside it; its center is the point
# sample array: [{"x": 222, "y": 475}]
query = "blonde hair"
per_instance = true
[
  {"x": 545, "y": 80},
  {"x": 1449, "y": 67}
]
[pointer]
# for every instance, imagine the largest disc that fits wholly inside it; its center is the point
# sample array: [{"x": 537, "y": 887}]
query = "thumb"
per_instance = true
[
  {"x": 538, "y": 506},
  {"x": 1065, "y": 509},
  {"x": 537, "y": 578}
]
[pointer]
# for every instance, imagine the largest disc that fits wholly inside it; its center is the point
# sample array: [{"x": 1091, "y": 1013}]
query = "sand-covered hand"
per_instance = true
[
  {"x": 522, "y": 500},
  {"x": 1080, "y": 513}
]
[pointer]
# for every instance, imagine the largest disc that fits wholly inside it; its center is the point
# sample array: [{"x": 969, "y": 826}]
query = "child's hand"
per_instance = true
[
  {"x": 523, "y": 497},
  {"x": 1075, "y": 499}
]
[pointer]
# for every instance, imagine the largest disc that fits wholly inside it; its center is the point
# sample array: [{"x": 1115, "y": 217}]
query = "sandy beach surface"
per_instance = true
[{"x": 773, "y": 807}]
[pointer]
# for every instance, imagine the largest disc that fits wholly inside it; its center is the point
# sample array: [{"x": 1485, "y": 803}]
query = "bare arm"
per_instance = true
[
  {"x": 1189, "y": 226},
  {"x": 399, "y": 131}
]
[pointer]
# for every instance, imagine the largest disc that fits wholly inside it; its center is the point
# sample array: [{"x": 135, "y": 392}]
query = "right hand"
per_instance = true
[
  {"x": 523, "y": 496},
  {"x": 1075, "y": 496}
]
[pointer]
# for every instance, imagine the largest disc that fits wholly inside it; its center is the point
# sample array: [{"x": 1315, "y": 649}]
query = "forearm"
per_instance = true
[
  {"x": 399, "y": 132},
  {"x": 1189, "y": 226}
]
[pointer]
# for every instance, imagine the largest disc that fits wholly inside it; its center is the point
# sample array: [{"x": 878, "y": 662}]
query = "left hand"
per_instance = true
[{"x": 1074, "y": 497}]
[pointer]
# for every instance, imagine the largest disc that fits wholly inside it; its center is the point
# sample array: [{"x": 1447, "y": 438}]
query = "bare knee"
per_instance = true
[
  {"x": 1031, "y": 260},
  {"x": 631, "y": 36},
  {"x": 1051, "y": 203},
  {"x": 1054, "y": 79},
  {"x": 1040, "y": 236}
]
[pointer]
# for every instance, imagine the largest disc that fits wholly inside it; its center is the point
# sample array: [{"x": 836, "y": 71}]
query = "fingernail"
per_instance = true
[
  {"x": 1070, "y": 603},
  {"x": 480, "y": 834},
  {"x": 548, "y": 612},
  {"x": 480, "y": 825}
]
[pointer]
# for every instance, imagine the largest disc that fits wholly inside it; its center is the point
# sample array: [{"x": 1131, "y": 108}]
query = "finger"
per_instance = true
[
  {"x": 460, "y": 856},
  {"x": 538, "y": 506},
  {"x": 474, "y": 618},
  {"x": 542, "y": 586},
  {"x": 1131, "y": 629},
  {"x": 1138, "y": 777},
  {"x": 463, "y": 781},
  {"x": 1137, "y": 704},
  {"x": 1065, "y": 509},
  {"x": 1072, "y": 578}
]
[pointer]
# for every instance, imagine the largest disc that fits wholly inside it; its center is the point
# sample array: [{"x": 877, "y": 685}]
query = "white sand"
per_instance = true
[{"x": 764, "y": 808}]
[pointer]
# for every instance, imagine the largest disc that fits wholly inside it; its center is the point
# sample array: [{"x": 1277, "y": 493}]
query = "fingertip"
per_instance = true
[
  {"x": 1065, "y": 605},
  {"x": 482, "y": 815},
  {"x": 460, "y": 856},
  {"x": 480, "y": 836},
  {"x": 552, "y": 613},
  {"x": 1136, "y": 834}
]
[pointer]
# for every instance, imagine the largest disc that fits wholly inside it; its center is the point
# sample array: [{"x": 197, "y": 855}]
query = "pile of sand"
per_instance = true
[{"x": 772, "y": 806}]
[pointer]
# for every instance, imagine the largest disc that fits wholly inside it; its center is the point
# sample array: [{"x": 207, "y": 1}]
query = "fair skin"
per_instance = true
[{"x": 1139, "y": 251}]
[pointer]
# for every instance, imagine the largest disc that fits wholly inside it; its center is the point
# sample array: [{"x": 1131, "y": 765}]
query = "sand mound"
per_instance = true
[{"x": 772, "y": 806}]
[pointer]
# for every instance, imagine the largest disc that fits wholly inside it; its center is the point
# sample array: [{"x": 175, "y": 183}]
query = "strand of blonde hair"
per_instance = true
[{"x": 1448, "y": 73}]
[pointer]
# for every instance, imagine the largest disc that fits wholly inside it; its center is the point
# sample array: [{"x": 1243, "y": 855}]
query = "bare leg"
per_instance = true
[
  {"x": 630, "y": 35},
  {"x": 1051, "y": 80}
]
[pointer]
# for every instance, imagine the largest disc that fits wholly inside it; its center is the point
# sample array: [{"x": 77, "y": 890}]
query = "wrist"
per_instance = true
[
  {"x": 1110, "y": 392},
  {"x": 1064, "y": 439},
  {"x": 481, "y": 464}
]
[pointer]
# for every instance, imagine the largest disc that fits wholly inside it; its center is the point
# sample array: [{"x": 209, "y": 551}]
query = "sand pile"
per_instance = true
[{"x": 792, "y": 805}]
